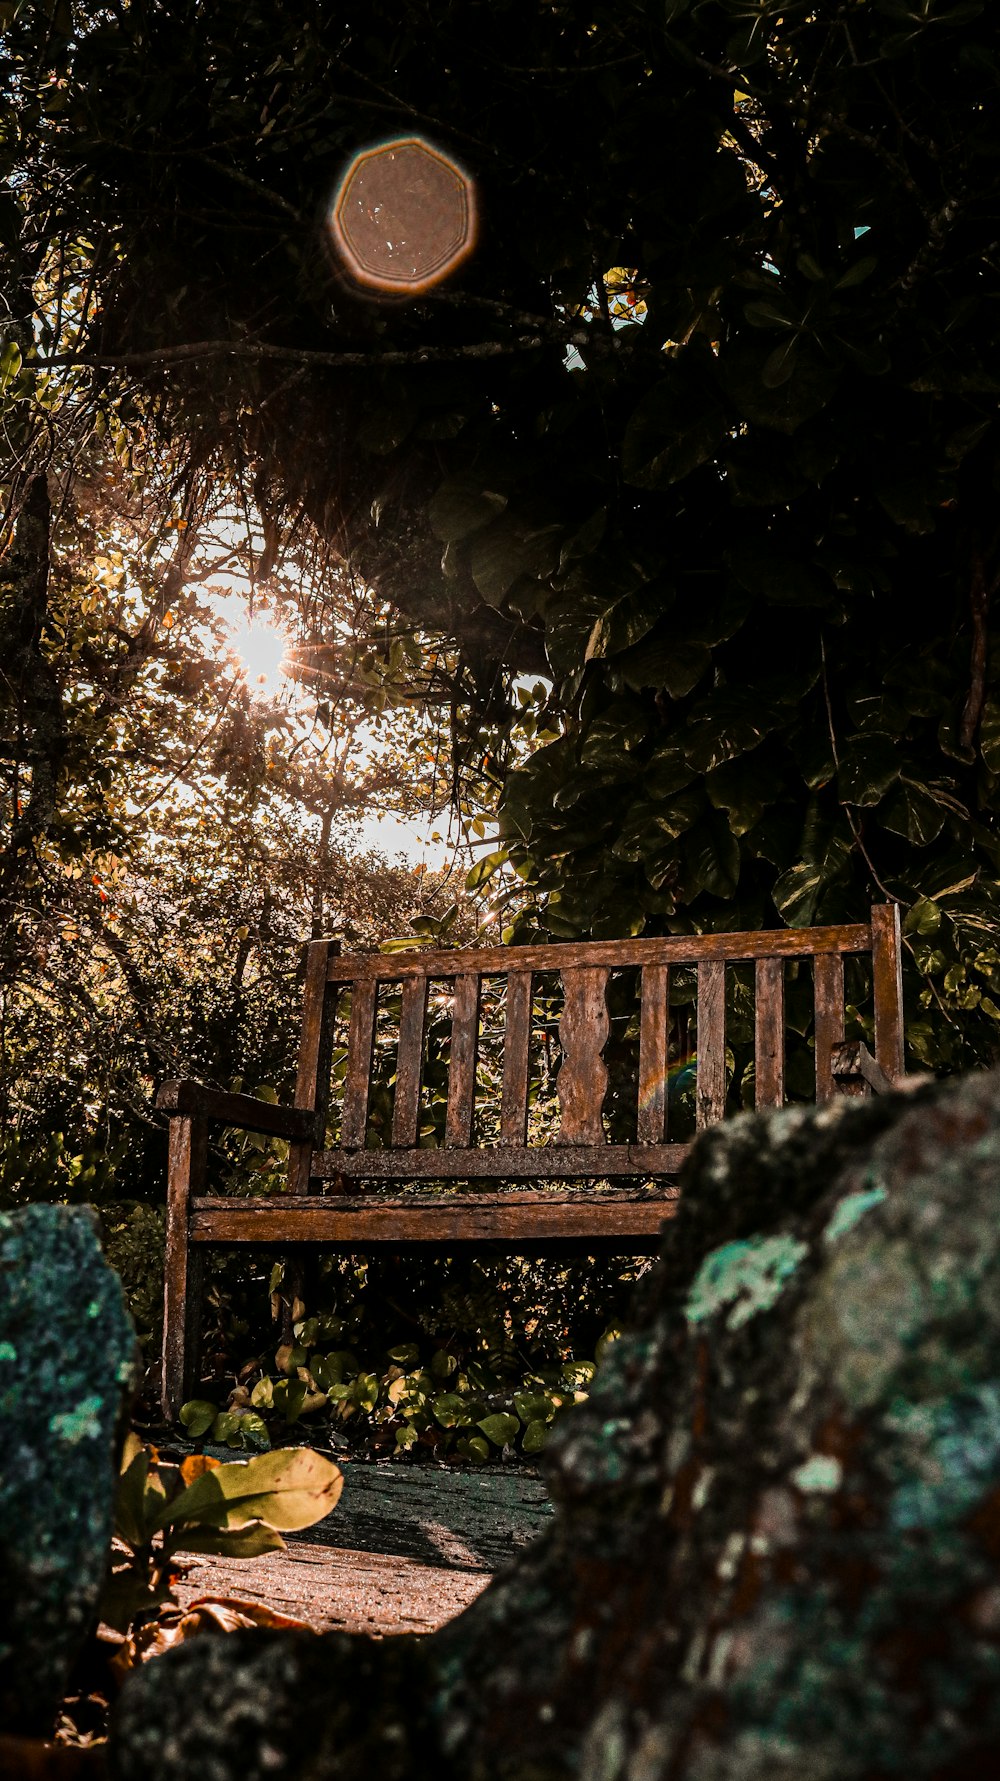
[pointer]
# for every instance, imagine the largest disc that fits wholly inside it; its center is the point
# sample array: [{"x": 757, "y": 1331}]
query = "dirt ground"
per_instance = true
[{"x": 334, "y": 1589}]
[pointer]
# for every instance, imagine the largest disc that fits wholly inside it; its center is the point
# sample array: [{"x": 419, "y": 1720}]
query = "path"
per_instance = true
[{"x": 406, "y": 1549}]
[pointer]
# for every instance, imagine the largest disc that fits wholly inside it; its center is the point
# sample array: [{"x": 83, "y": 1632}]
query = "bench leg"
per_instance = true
[{"x": 182, "y": 1285}]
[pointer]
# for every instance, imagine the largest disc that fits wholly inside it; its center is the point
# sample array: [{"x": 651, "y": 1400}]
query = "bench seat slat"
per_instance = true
[{"x": 458, "y": 1218}]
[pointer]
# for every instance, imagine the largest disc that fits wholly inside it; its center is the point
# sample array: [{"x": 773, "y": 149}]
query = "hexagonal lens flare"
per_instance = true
[{"x": 404, "y": 216}]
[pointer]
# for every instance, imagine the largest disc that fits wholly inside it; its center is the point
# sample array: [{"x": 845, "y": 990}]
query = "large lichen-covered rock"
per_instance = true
[
  {"x": 67, "y": 1372},
  {"x": 775, "y": 1551}
]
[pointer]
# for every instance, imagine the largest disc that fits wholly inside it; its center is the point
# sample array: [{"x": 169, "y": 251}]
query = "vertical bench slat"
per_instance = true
[
  {"x": 312, "y": 1084},
  {"x": 360, "y": 1041},
  {"x": 711, "y": 1067},
  {"x": 462, "y": 1062},
  {"x": 582, "y": 1082},
  {"x": 406, "y": 1106},
  {"x": 653, "y": 1061},
  {"x": 769, "y": 1033},
  {"x": 888, "y": 985},
  {"x": 828, "y": 984},
  {"x": 516, "y": 1042}
]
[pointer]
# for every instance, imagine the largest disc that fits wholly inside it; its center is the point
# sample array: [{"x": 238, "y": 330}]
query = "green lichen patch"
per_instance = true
[
  {"x": 748, "y": 1276},
  {"x": 821, "y": 1472},
  {"x": 850, "y": 1210}
]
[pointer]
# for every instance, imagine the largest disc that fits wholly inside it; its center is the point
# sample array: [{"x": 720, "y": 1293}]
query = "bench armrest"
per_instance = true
[{"x": 193, "y": 1098}]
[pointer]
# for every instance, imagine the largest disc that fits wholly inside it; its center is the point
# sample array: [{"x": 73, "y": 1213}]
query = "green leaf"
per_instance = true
[
  {"x": 364, "y": 1391},
  {"x": 290, "y": 1488},
  {"x": 914, "y": 812},
  {"x": 406, "y": 1436},
  {"x": 10, "y": 363},
  {"x": 797, "y": 892},
  {"x": 770, "y": 312},
  {"x": 484, "y": 869},
  {"x": 989, "y": 735},
  {"x": 676, "y": 425},
  {"x": 450, "y": 1410},
  {"x": 405, "y": 1354},
  {"x": 857, "y": 273},
  {"x": 868, "y": 765},
  {"x": 460, "y": 507},
  {"x": 923, "y": 919},
  {"x": 667, "y": 771},
  {"x": 504, "y": 552},
  {"x": 805, "y": 393},
  {"x": 535, "y": 1436},
  {"x": 127, "y": 1593},
  {"x": 130, "y": 1500},
  {"x": 780, "y": 364},
  {"x": 626, "y": 623},
  {"x": 534, "y": 1406},
  {"x": 225, "y": 1427},
  {"x": 501, "y": 1428},
  {"x": 242, "y": 1542},
  {"x": 253, "y": 1431},
  {"x": 474, "y": 1448},
  {"x": 197, "y": 1416},
  {"x": 712, "y": 856},
  {"x": 288, "y": 1397}
]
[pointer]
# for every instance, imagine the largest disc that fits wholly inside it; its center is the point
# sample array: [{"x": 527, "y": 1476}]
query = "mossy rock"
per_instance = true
[{"x": 68, "y": 1370}]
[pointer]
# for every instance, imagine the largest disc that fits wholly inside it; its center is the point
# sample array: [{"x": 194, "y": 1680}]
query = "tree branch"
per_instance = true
[{"x": 195, "y": 350}]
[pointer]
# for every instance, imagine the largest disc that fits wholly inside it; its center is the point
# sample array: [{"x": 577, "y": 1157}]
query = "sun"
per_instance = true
[{"x": 260, "y": 649}]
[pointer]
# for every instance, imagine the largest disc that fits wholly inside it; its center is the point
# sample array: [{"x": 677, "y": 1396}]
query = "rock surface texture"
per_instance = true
[
  {"x": 777, "y": 1531},
  {"x": 67, "y": 1372}
]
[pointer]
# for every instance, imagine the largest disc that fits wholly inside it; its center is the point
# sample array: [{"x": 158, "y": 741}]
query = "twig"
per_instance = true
[
  {"x": 979, "y": 603},
  {"x": 855, "y": 831}
]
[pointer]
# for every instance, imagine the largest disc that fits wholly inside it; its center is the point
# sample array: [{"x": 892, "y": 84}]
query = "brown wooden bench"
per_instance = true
[{"x": 340, "y": 1194}]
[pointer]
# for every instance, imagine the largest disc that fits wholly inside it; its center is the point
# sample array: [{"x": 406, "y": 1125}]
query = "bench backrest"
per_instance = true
[{"x": 580, "y": 1146}]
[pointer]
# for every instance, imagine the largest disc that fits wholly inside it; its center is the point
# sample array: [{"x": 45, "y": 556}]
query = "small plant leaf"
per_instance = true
[
  {"x": 197, "y": 1416},
  {"x": 289, "y": 1488},
  {"x": 500, "y": 1428}
]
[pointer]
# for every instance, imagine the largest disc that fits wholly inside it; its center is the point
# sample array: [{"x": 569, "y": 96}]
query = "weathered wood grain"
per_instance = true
[
  {"x": 360, "y": 1040},
  {"x": 769, "y": 1033},
  {"x": 582, "y": 1082},
  {"x": 828, "y": 986},
  {"x": 186, "y": 1160},
  {"x": 493, "y": 961},
  {"x": 888, "y": 987},
  {"x": 710, "y": 1094},
  {"x": 312, "y": 1084},
  {"x": 516, "y": 1059},
  {"x": 529, "y": 1162},
  {"x": 406, "y": 1106},
  {"x": 462, "y": 1218},
  {"x": 194, "y": 1099},
  {"x": 654, "y": 1021},
  {"x": 462, "y": 1061}
]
